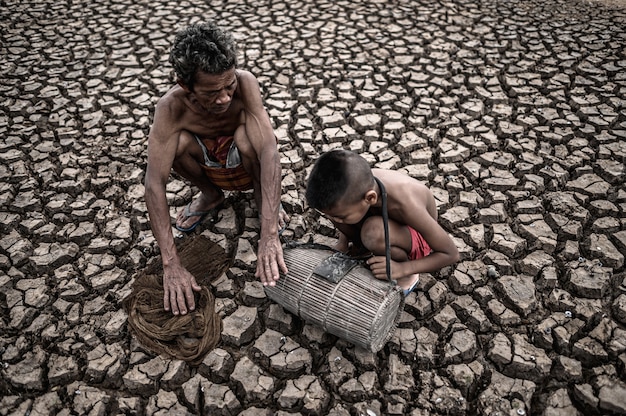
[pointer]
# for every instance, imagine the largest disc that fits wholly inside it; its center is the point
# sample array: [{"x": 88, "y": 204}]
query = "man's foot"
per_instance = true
[
  {"x": 189, "y": 217},
  {"x": 283, "y": 219},
  {"x": 408, "y": 283}
]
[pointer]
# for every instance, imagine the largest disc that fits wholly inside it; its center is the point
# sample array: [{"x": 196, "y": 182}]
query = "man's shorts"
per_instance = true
[{"x": 222, "y": 164}]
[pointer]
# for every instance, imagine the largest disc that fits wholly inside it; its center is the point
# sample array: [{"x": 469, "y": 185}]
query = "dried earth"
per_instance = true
[{"x": 513, "y": 112}]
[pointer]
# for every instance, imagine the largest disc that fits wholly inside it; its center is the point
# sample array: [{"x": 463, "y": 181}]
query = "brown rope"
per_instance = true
[{"x": 187, "y": 337}]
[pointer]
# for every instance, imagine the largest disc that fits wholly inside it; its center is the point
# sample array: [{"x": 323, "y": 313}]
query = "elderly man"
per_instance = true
[{"x": 213, "y": 130}]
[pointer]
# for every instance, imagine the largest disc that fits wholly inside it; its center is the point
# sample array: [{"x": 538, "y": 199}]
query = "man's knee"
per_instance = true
[
  {"x": 244, "y": 144},
  {"x": 187, "y": 150},
  {"x": 247, "y": 152},
  {"x": 187, "y": 145}
]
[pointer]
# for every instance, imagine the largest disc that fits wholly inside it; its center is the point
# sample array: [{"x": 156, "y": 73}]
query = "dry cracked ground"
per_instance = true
[{"x": 511, "y": 111}]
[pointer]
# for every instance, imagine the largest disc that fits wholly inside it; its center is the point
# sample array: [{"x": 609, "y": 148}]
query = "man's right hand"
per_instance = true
[{"x": 178, "y": 287}]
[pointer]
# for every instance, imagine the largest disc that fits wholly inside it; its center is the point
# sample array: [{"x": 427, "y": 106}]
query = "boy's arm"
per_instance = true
[
  {"x": 342, "y": 242},
  {"x": 419, "y": 212},
  {"x": 444, "y": 251}
]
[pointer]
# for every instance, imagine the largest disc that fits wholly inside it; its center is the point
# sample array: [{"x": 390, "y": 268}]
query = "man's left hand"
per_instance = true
[{"x": 270, "y": 261}]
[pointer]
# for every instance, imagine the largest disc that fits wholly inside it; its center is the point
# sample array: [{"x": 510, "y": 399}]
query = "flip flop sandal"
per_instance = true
[
  {"x": 188, "y": 213},
  {"x": 409, "y": 290},
  {"x": 284, "y": 227}
]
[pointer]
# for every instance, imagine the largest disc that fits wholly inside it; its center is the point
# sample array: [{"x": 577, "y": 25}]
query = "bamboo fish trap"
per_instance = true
[{"x": 340, "y": 295}]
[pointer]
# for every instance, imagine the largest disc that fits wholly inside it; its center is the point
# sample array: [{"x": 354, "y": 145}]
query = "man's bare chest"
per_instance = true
[{"x": 213, "y": 125}]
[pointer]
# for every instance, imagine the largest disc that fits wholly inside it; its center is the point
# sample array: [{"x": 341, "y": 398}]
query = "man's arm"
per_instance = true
[
  {"x": 178, "y": 283},
  {"x": 261, "y": 135}
]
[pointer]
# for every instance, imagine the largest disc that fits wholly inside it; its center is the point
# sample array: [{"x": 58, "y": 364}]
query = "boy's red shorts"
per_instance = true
[{"x": 419, "y": 246}]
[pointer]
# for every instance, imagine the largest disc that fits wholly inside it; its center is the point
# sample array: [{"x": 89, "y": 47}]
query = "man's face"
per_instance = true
[{"x": 214, "y": 92}]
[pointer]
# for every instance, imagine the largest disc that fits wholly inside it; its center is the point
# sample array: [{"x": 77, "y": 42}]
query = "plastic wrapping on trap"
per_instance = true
[{"x": 358, "y": 308}]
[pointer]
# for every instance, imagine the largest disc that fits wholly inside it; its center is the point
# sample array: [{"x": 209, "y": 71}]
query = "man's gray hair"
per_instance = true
[{"x": 202, "y": 47}]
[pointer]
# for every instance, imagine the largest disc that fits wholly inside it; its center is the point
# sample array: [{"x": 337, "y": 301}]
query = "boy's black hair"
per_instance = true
[
  {"x": 202, "y": 47},
  {"x": 338, "y": 174}
]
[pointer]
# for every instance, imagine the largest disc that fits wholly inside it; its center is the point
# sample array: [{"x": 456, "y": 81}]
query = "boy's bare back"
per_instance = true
[{"x": 412, "y": 203}]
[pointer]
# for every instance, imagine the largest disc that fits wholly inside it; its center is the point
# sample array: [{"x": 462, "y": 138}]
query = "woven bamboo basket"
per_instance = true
[{"x": 358, "y": 307}]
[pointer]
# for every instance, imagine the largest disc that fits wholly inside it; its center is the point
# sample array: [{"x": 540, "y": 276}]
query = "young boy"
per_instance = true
[{"x": 344, "y": 188}]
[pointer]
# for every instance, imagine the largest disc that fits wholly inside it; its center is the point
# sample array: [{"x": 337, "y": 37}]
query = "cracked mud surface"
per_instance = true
[{"x": 512, "y": 112}]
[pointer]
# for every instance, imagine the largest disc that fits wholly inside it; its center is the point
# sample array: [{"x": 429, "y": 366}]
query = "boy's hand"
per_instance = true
[
  {"x": 358, "y": 252},
  {"x": 342, "y": 247},
  {"x": 378, "y": 266}
]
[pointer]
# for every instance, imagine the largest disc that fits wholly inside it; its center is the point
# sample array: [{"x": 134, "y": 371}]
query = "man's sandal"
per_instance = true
[{"x": 200, "y": 214}]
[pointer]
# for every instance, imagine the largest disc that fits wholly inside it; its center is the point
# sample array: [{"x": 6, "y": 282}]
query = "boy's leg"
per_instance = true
[
  {"x": 400, "y": 243},
  {"x": 187, "y": 164},
  {"x": 373, "y": 238}
]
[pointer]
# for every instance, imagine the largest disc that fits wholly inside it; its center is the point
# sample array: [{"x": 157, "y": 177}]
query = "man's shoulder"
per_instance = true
[
  {"x": 173, "y": 96},
  {"x": 172, "y": 102},
  {"x": 244, "y": 75},
  {"x": 247, "y": 81},
  {"x": 248, "y": 90}
]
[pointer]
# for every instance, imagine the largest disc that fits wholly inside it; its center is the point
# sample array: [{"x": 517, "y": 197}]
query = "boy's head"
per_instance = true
[
  {"x": 202, "y": 47},
  {"x": 342, "y": 186}
]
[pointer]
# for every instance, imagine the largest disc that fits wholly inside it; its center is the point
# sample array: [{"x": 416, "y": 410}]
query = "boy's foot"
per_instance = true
[
  {"x": 408, "y": 283},
  {"x": 194, "y": 212}
]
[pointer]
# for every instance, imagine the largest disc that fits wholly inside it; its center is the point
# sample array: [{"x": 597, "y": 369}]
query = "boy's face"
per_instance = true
[{"x": 348, "y": 213}]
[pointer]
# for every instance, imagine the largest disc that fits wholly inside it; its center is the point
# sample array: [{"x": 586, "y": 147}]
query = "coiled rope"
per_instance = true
[{"x": 186, "y": 337}]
